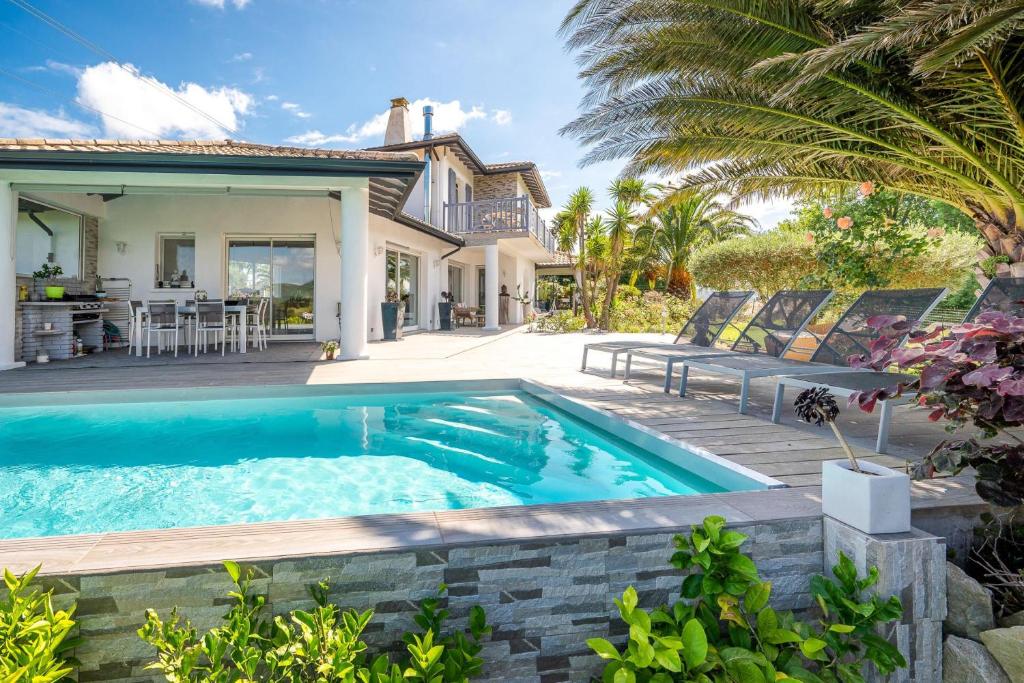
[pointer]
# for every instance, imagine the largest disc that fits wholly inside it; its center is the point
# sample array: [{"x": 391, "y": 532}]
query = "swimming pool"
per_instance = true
[{"x": 146, "y": 461}]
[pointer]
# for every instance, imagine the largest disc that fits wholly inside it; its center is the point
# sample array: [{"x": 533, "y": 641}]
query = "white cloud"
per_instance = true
[
  {"x": 69, "y": 69},
  {"x": 546, "y": 175},
  {"x": 296, "y": 109},
  {"x": 17, "y": 122},
  {"x": 242, "y": 57},
  {"x": 502, "y": 117},
  {"x": 135, "y": 105},
  {"x": 220, "y": 4},
  {"x": 448, "y": 117},
  {"x": 272, "y": 98}
]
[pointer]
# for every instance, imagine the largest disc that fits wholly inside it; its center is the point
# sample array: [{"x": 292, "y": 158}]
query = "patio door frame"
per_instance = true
[
  {"x": 402, "y": 249},
  {"x": 270, "y": 237}
]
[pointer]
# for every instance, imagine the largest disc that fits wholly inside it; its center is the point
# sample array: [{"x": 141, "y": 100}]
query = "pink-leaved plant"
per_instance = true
[{"x": 972, "y": 373}]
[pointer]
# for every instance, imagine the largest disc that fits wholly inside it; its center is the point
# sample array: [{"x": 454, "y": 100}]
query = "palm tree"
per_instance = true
[
  {"x": 685, "y": 221},
  {"x": 572, "y": 228},
  {"x": 619, "y": 227},
  {"x": 759, "y": 99}
]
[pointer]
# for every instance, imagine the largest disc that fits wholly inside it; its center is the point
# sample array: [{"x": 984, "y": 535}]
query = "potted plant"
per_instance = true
[
  {"x": 444, "y": 311},
  {"x": 864, "y": 495},
  {"x": 524, "y": 299},
  {"x": 392, "y": 313},
  {"x": 46, "y": 273},
  {"x": 329, "y": 347}
]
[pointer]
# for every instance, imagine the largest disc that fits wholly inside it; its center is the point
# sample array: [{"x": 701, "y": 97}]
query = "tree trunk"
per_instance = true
[
  {"x": 1003, "y": 241},
  {"x": 588, "y": 315}
]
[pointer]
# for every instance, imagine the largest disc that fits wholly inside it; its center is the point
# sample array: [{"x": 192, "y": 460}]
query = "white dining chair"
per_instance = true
[{"x": 256, "y": 321}]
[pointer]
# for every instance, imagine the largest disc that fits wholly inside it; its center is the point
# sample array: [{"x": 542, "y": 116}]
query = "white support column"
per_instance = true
[
  {"x": 8, "y": 281},
  {"x": 355, "y": 235},
  {"x": 492, "y": 271}
]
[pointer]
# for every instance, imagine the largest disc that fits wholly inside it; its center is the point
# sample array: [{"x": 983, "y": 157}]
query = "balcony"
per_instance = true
[{"x": 506, "y": 215}]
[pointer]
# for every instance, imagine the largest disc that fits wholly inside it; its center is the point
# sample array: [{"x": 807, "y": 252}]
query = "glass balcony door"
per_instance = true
[
  {"x": 283, "y": 269},
  {"x": 403, "y": 277}
]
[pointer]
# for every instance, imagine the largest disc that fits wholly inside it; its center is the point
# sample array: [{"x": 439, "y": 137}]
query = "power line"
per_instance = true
[
  {"x": 93, "y": 47},
  {"x": 50, "y": 91}
]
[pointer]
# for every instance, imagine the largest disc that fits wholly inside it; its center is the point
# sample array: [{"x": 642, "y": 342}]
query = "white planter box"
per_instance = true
[{"x": 876, "y": 503}]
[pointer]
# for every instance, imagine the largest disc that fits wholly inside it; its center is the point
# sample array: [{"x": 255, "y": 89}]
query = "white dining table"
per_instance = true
[{"x": 237, "y": 309}]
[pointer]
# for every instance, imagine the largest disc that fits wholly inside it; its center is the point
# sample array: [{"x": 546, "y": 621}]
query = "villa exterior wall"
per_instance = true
[
  {"x": 544, "y": 597},
  {"x": 497, "y": 186}
]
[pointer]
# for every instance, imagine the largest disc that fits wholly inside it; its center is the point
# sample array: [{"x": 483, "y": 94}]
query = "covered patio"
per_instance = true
[{"x": 179, "y": 219}]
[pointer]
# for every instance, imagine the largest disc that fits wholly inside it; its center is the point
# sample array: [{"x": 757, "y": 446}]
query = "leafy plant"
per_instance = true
[
  {"x": 48, "y": 271},
  {"x": 34, "y": 637},
  {"x": 723, "y": 630},
  {"x": 766, "y": 262},
  {"x": 971, "y": 374},
  {"x": 818, "y": 406},
  {"x": 323, "y": 644},
  {"x": 560, "y": 322}
]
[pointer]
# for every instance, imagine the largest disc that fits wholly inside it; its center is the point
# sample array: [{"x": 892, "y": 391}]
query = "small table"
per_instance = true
[{"x": 237, "y": 309}]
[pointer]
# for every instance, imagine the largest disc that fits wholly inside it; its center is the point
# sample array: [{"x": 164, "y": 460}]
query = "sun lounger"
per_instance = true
[
  {"x": 1001, "y": 294},
  {"x": 771, "y": 332},
  {"x": 702, "y": 329},
  {"x": 850, "y": 335}
]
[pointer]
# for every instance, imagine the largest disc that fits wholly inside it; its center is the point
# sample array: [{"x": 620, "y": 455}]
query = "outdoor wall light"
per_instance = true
[
  {"x": 378, "y": 250},
  {"x": 122, "y": 247}
]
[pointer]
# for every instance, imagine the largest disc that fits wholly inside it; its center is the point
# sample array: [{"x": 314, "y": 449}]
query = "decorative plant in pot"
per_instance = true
[
  {"x": 971, "y": 375},
  {"x": 444, "y": 310},
  {"x": 392, "y": 312},
  {"x": 524, "y": 300},
  {"x": 329, "y": 347},
  {"x": 47, "y": 273},
  {"x": 864, "y": 495}
]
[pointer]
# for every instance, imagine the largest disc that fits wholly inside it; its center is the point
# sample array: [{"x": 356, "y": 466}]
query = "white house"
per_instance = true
[{"x": 324, "y": 233}]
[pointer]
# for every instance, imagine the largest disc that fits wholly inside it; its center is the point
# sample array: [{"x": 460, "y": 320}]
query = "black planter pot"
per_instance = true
[
  {"x": 444, "y": 315},
  {"x": 392, "y": 316}
]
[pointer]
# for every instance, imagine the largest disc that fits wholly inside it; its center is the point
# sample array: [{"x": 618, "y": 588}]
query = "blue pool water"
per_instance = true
[{"x": 124, "y": 466}]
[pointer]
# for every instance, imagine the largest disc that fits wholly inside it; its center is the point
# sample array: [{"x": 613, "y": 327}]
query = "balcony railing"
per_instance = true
[{"x": 510, "y": 214}]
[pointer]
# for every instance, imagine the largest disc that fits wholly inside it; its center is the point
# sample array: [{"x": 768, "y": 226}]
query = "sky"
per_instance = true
[{"x": 309, "y": 73}]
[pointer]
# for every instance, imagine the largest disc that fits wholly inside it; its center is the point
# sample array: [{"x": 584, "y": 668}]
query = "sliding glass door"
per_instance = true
[
  {"x": 403, "y": 277},
  {"x": 283, "y": 269}
]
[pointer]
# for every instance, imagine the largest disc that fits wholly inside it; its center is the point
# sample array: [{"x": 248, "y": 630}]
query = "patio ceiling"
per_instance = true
[{"x": 113, "y": 168}]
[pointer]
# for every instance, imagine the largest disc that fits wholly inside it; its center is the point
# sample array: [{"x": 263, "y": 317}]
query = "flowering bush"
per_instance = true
[
  {"x": 636, "y": 311},
  {"x": 972, "y": 374}
]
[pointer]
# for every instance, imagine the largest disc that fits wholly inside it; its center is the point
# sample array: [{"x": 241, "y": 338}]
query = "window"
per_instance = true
[
  {"x": 45, "y": 234},
  {"x": 455, "y": 283},
  {"x": 469, "y": 193},
  {"x": 176, "y": 258}
]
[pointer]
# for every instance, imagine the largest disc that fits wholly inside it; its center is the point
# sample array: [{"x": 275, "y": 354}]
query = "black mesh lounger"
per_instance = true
[
  {"x": 1002, "y": 294},
  {"x": 702, "y": 329},
  {"x": 849, "y": 336},
  {"x": 771, "y": 332}
]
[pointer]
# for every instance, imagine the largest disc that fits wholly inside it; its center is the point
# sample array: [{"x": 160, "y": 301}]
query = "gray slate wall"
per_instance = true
[{"x": 544, "y": 598}]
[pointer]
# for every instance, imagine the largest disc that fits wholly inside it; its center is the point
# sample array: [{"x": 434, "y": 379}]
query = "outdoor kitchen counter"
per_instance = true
[{"x": 67, "y": 319}]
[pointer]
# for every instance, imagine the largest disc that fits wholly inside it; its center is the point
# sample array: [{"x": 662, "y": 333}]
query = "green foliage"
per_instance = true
[
  {"x": 48, "y": 271},
  {"x": 765, "y": 262},
  {"x": 560, "y": 322},
  {"x": 323, "y": 645},
  {"x": 636, "y": 311},
  {"x": 988, "y": 265},
  {"x": 723, "y": 629},
  {"x": 33, "y": 636}
]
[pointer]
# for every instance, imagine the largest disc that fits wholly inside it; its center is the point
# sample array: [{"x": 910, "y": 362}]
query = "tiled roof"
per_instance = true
[
  {"x": 559, "y": 259},
  {"x": 529, "y": 170},
  {"x": 211, "y": 147}
]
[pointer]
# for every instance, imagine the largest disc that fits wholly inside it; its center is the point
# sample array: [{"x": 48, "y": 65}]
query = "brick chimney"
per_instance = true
[{"x": 399, "y": 126}]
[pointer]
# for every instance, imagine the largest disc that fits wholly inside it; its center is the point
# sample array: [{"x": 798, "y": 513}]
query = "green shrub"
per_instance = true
[
  {"x": 765, "y": 262},
  {"x": 33, "y": 636},
  {"x": 560, "y": 322},
  {"x": 724, "y": 630},
  {"x": 636, "y": 311},
  {"x": 323, "y": 645}
]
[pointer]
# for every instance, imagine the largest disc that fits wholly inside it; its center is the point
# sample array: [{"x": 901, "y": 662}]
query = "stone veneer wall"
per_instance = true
[
  {"x": 499, "y": 186},
  {"x": 912, "y": 566},
  {"x": 544, "y": 598}
]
